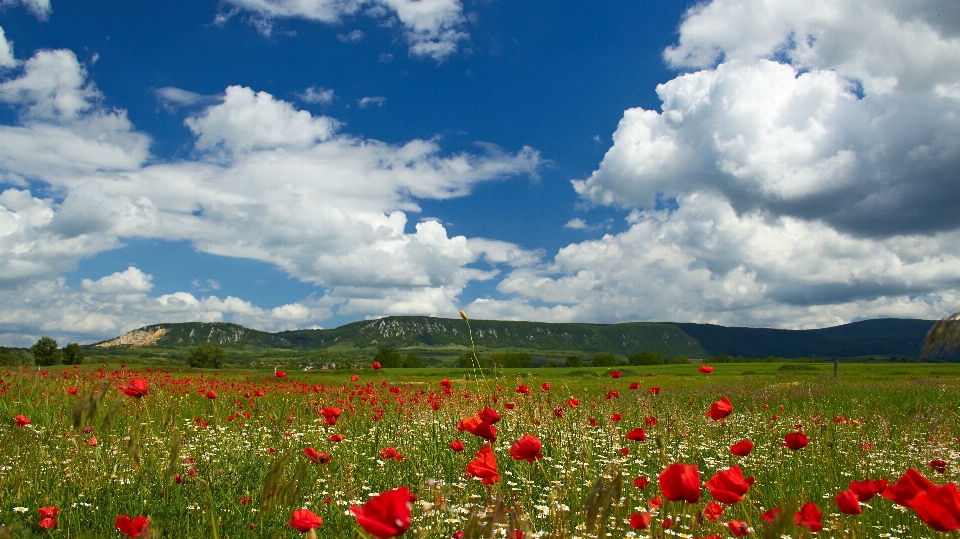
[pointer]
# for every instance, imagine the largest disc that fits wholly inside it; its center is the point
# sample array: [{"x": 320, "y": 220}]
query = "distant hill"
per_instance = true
[{"x": 883, "y": 337}]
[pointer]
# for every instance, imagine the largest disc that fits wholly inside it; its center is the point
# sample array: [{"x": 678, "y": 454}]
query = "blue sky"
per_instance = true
[{"x": 289, "y": 164}]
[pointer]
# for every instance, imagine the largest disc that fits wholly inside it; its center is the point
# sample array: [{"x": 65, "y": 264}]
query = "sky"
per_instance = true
[{"x": 289, "y": 164}]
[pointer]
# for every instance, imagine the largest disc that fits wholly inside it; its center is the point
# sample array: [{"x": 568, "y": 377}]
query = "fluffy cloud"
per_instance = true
[
  {"x": 267, "y": 181},
  {"x": 812, "y": 150},
  {"x": 317, "y": 95},
  {"x": 431, "y": 28},
  {"x": 40, "y": 8},
  {"x": 6, "y": 51}
]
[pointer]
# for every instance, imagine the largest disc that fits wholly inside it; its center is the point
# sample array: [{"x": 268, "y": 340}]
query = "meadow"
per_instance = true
[{"x": 234, "y": 454}]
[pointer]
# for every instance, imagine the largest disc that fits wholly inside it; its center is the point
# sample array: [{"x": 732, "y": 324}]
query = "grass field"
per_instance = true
[{"x": 234, "y": 465}]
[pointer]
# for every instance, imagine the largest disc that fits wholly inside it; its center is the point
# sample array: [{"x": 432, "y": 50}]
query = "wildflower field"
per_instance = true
[{"x": 670, "y": 451}]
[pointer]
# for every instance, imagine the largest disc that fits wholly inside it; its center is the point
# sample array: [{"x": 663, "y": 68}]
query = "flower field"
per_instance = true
[{"x": 674, "y": 451}]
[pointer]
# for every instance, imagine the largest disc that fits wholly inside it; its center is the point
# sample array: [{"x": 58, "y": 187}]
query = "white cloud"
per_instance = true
[
  {"x": 367, "y": 101},
  {"x": 6, "y": 51},
  {"x": 352, "y": 37},
  {"x": 40, "y": 8},
  {"x": 431, "y": 28},
  {"x": 576, "y": 223},
  {"x": 172, "y": 99},
  {"x": 317, "y": 95},
  {"x": 268, "y": 182}
]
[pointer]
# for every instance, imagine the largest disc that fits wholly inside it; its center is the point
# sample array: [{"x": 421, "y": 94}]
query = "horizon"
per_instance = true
[{"x": 286, "y": 165}]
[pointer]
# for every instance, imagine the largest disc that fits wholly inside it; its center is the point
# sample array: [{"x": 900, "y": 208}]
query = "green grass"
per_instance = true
[{"x": 898, "y": 416}]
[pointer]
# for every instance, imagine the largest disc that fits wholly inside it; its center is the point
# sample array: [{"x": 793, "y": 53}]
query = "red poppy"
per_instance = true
[
  {"x": 72, "y": 391},
  {"x": 336, "y": 438},
  {"x": 772, "y": 514},
  {"x": 796, "y": 440},
  {"x": 637, "y": 435},
  {"x": 654, "y": 390},
  {"x": 742, "y": 448},
  {"x": 21, "y": 420},
  {"x": 706, "y": 369},
  {"x": 650, "y": 421},
  {"x": 387, "y": 514},
  {"x": 615, "y": 374},
  {"x": 48, "y": 517},
  {"x": 375, "y": 365},
  {"x": 573, "y": 402},
  {"x": 680, "y": 482},
  {"x": 938, "y": 507},
  {"x": 478, "y": 427},
  {"x": 523, "y": 389},
  {"x": 616, "y": 417},
  {"x": 280, "y": 374},
  {"x": 738, "y": 528},
  {"x": 625, "y": 450},
  {"x": 656, "y": 502},
  {"x": 354, "y": 377},
  {"x": 848, "y": 503},
  {"x": 545, "y": 386},
  {"x": 484, "y": 466},
  {"x": 318, "y": 457},
  {"x": 93, "y": 441},
  {"x": 136, "y": 389},
  {"x": 641, "y": 482},
  {"x": 526, "y": 448},
  {"x": 457, "y": 446},
  {"x": 939, "y": 465},
  {"x": 712, "y": 511},
  {"x": 720, "y": 409},
  {"x": 634, "y": 385},
  {"x": 390, "y": 453},
  {"x": 866, "y": 489},
  {"x": 809, "y": 517},
  {"x": 131, "y": 528},
  {"x": 729, "y": 486},
  {"x": 304, "y": 520},
  {"x": 211, "y": 394},
  {"x": 640, "y": 521},
  {"x": 907, "y": 487},
  {"x": 330, "y": 414}
]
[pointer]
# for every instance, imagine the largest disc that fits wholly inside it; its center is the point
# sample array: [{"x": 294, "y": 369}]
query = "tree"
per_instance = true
[
  {"x": 73, "y": 354},
  {"x": 10, "y": 357},
  {"x": 412, "y": 361},
  {"x": 512, "y": 360},
  {"x": 646, "y": 358},
  {"x": 388, "y": 358},
  {"x": 207, "y": 356},
  {"x": 605, "y": 359},
  {"x": 574, "y": 361},
  {"x": 45, "y": 352},
  {"x": 468, "y": 361}
]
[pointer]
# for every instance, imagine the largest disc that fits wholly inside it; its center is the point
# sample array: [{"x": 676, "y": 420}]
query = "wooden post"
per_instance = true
[{"x": 835, "y": 367}]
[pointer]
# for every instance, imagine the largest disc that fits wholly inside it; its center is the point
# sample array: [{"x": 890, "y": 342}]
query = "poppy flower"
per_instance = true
[
  {"x": 330, "y": 414},
  {"x": 21, "y": 420},
  {"x": 457, "y": 446},
  {"x": 72, "y": 391},
  {"x": 680, "y": 482},
  {"x": 706, "y": 369},
  {"x": 478, "y": 427},
  {"x": 848, "y": 503},
  {"x": 354, "y": 377},
  {"x": 625, "y": 450},
  {"x": 245, "y": 500},
  {"x": 484, "y": 466},
  {"x": 650, "y": 421},
  {"x": 729, "y": 486},
  {"x": 526, "y": 448},
  {"x": 386, "y": 514},
  {"x": 796, "y": 440},
  {"x": 211, "y": 394},
  {"x": 336, "y": 438},
  {"x": 654, "y": 390},
  {"x": 742, "y": 448},
  {"x": 939, "y": 465},
  {"x": 634, "y": 385},
  {"x": 641, "y": 482},
  {"x": 523, "y": 389},
  {"x": 304, "y": 520},
  {"x": 136, "y": 389},
  {"x": 615, "y": 374},
  {"x": 375, "y": 365},
  {"x": 48, "y": 517},
  {"x": 318, "y": 457},
  {"x": 809, "y": 517},
  {"x": 720, "y": 409},
  {"x": 738, "y": 528},
  {"x": 573, "y": 402},
  {"x": 772, "y": 514},
  {"x": 656, "y": 502},
  {"x": 616, "y": 417},
  {"x": 712, "y": 511},
  {"x": 92, "y": 442},
  {"x": 938, "y": 507},
  {"x": 545, "y": 386},
  {"x": 131, "y": 528},
  {"x": 390, "y": 453},
  {"x": 640, "y": 521},
  {"x": 866, "y": 489},
  {"x": 637, "y": 435}
]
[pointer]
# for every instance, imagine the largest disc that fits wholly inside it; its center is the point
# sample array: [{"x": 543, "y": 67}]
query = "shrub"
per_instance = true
[
  {"x": 207, "y": 356},
  {"x": 646, "y": 358},
  {"x": 388, "y": 358},
  {"x": 412, "y": 361}
]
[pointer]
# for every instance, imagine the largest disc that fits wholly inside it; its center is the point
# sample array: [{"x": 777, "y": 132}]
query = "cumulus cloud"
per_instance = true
[
  {"x": 6, "y": 51},
  {"x": 267, "y": 181},
  {"x": 431, "y": 28},
  {"x": 40, "y": 8},
  {"x": 812, "y": 151}
]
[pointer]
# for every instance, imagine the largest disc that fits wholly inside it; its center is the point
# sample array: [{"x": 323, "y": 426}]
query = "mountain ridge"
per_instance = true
[{"x": 882, "y": 337}]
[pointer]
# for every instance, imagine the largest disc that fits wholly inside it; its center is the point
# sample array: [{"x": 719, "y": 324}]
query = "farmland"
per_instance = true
[{"x": 224, "y": 454}]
